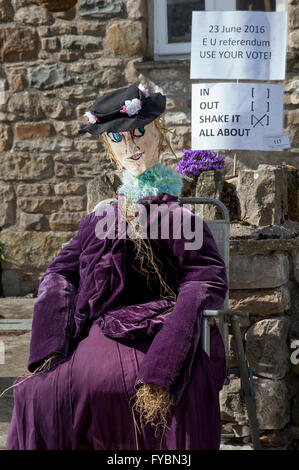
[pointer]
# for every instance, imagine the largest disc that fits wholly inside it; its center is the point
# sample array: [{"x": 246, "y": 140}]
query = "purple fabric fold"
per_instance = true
[
  {"x": 136, "y": 322},
  {"x": 54, "y": 308}
]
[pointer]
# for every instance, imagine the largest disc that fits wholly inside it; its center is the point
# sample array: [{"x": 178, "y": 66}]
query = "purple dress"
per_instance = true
[{"x": 97, "y": 311}]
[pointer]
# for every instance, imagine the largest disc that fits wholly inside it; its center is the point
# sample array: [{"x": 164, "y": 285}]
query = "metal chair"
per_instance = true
[{"x": 226, "y": 317}]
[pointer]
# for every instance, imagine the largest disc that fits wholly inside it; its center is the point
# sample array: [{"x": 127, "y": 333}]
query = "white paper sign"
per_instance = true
[
  {"x": 277, "y": 141},
  {"x": 235, "y": 115},
  {"x": 239, "y": 45}
]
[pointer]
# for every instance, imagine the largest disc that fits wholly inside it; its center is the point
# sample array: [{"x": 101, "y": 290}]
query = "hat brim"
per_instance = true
[{"x": 152, "y": 108}]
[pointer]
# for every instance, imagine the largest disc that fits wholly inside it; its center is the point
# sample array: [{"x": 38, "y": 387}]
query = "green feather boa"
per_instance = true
[{"x": 156, "y": 180}]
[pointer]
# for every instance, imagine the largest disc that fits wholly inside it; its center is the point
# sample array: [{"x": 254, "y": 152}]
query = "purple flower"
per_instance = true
[{"x": 194, "y": 162}]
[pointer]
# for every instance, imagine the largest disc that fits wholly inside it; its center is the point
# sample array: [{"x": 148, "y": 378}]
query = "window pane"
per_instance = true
[
  {"x": 257, "y": 5},
  {"x": 179, "y": 18}
]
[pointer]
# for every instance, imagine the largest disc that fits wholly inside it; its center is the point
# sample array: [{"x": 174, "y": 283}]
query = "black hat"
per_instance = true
[{"x": 124, "y": 110}]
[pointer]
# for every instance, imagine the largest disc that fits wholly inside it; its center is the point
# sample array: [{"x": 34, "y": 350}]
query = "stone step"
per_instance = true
[
  {"x": 4, "y": 428},
  {"x": 15, "y": 324},
  {"x": 17, "y": 307}
]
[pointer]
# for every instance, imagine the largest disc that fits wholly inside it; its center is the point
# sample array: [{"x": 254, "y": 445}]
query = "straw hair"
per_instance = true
[
  {"x": 44, "y": 367},
  {"x": 153, "y": 404}
]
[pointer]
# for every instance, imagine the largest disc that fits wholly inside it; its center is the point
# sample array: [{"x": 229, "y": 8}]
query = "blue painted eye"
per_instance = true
[
  {"x": 139, "y": 132},
  {"x": 115, "y": 136}
]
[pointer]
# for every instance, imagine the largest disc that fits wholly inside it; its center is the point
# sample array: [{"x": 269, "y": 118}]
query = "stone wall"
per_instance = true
[
  {"x": 52, "y": 68},
  {"x": 264, "y": 282}
]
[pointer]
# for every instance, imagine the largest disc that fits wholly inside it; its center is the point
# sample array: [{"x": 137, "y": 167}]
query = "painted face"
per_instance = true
[{"x": 136, "y": 150}]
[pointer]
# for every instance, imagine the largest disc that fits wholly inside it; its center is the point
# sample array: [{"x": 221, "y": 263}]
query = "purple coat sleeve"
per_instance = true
[
  {"x": 202, "y": 284},
  {"x": 54, "y": 307}
]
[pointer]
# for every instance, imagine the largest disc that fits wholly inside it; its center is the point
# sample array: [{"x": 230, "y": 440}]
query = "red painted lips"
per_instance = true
[{"x": 136, "y": 156}]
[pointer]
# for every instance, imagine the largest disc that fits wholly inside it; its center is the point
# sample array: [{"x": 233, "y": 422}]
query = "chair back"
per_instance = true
[{"x": 220, "y": 229}]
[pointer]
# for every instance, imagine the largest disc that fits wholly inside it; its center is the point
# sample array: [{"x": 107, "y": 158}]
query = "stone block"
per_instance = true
[
  {"x": 65, "y": 222},
  {"x": 33, "y": 130},
  {"x": 87, "y": 146},
  {"x": 18, "y": 44},
  {"x": 71, "y": 157},
  {"x": 63, "y": 170},
  {"x": 17, "y": 79},
  {"x": 33, "y": 189},
  {"x": 32, "y": 222},
  {"x": 92, "y": 28},
  {"x": 258, "y": 271},
  {"x": 47, "y": 77},
  {"x": 293, "y": 16},
  {"x": 232, "y": 409},
  {"x": 28, "y": 250},
  {"x": 33, "y": 15},
  {"x": 23, "y": 166},
  {"x": 6, "y": 11},
  {"x": 67, "y": 129},
  {"x": 209, "y": 184},
  {"x": 292, "y": 117},
  {"x": 57, "y": 29},
  {"x": 7, "y": 206},
  {"x": 271, "y": 402},
  {"x": 26, "y": 106},
  {"x": 102, "y": 187},
  {"x": 112, "y": 78},
  {"x": 17, "y": 307},
  {"x": 263, "y": 195},
  {"x": 293, "y": 40},
  {"x": 56, "y": 109},
  {"x": 51, "y": 44},
  {"x": 70, "y": 189},
  {"x": 266, "y": 348},
  {"x": 88, "y": 170},
  {"x": 43, "y": 144},
  {"x": 44, "y": 205},
  {"x": 100, "y": 8},
  {"x": 81, "y": 43},
  {"x": 136, "y": 9},
  {"x": 67, "y": 15},
  {"x": 5, "y": 137},
  {"x": 126, "y": 38},
  {"x": 261, "y": 302},
  {"x": 74, "y": 204}
]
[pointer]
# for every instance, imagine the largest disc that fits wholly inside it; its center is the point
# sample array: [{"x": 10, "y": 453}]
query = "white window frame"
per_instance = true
[{"x": 181, "y": 50}]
